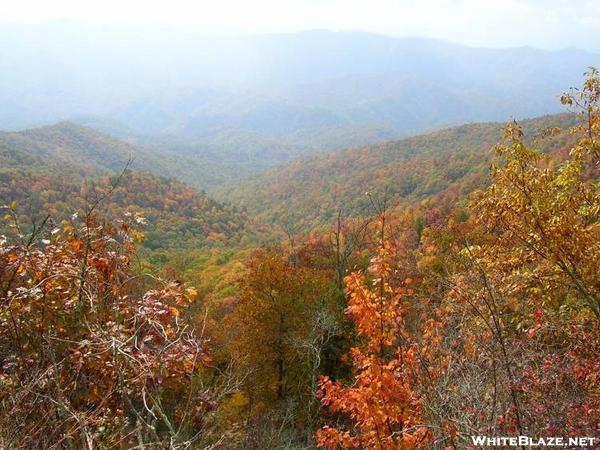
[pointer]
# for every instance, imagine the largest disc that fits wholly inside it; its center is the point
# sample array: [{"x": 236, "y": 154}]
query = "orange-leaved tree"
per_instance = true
[{"x": 382, "y": 406}]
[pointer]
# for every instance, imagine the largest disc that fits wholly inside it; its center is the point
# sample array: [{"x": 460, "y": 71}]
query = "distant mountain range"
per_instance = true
[
  {"x": 305, "y": 192},
  {"x": 249, "y": 102}
]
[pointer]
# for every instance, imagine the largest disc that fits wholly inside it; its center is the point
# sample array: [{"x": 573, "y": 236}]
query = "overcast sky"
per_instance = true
[{"x": 489, "y": 23}]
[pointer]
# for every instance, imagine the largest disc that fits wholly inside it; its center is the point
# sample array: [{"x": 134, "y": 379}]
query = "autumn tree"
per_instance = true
[
  {"x": 280, "y": 324},
  {"x": 545, "y": 218},
  {"x": 381, "y": 406},
  {"x": 539, "y": 257},
  {"x": 90, "y": 357},
  {"x": 519, "y": 277}
]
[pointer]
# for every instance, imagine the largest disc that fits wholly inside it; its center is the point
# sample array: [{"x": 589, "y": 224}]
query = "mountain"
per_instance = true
[
  {"x": 311, "y": 190},
  {"x": 283, "y": 94},
  {"x": 220, "y": 155},
  {"x": 200, "y": 164},
  {"x": 64, "y": 168}
]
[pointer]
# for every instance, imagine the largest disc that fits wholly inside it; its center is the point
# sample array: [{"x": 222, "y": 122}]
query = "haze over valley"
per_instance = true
[{"x": 235, "y": 105}]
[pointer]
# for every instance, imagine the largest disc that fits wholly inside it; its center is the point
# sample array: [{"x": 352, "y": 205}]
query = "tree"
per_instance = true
[
  {"x": 91, "y": 358},
  {"x": 382, "y": 405},
  {"x": 544, "y": 216},
  {"x": 282, "y": 320},
  {"x": 519, "y": 277}
]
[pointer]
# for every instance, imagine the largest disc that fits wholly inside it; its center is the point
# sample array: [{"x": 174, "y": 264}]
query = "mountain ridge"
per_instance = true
[
  {"x": 310, "y": 191},
  {"x": 59, "y": 176},
  {"x": 297, "y": 90}
]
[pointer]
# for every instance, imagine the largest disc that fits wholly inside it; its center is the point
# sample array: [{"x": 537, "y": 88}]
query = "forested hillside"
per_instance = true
[
  {"x": 69, "y": 143},
  {"x": 311, "y": 190},
  {"x": 212, "y": 159},
  {"x": 56, "y": 171}
]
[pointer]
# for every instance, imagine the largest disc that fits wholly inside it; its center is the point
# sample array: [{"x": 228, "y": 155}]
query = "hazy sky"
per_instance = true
[{"x": 540, "y": 23}]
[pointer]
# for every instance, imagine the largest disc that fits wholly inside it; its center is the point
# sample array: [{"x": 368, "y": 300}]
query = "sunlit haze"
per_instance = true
[{"x": 495, "y": 23}]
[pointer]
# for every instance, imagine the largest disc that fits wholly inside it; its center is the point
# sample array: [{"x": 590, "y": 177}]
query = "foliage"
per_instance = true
[
  {"x": 470, "y": 312},
  {"x": 90, "y": 356},
  {"x": 520, "y": 281},
  {"x": 310, "y": 191},
  {"x": 283, "y": 319},
  {"x": 384, "y": 409},
  {"x": 506, "y": 336}
]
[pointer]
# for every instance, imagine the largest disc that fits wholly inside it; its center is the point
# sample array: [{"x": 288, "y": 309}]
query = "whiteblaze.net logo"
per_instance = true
[{"x": 526, "y": 441}]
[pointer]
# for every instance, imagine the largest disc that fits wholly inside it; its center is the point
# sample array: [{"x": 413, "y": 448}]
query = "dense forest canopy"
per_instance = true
[{"x": 449, "y": 162}]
